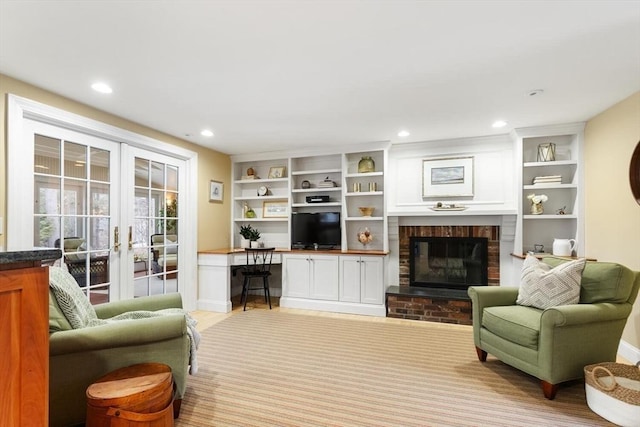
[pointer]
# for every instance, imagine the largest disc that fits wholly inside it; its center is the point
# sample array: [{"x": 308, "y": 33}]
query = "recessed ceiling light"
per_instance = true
[
  {"x": 101, "y": 87},
  {"x": 206, "y": 132},
  {"x": 403, "y": 134},
  {"x": 499, "y": 124},
  {"x": 535, "y": 92}
]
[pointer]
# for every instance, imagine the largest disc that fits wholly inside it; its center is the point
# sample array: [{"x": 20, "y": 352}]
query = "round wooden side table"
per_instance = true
[{"x": 138, "y": 395}]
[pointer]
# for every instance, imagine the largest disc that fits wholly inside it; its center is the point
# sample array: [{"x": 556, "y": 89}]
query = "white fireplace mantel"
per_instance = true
[
  {"x": 422, "y": 212},
  {"x": 506, "y": 219}
]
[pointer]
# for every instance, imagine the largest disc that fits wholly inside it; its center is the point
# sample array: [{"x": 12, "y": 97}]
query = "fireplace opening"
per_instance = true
[{"x": 448, "y": 262}]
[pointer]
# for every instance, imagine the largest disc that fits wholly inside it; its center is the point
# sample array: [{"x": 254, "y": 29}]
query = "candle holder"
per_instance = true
[{"x": 547, "y": 152}]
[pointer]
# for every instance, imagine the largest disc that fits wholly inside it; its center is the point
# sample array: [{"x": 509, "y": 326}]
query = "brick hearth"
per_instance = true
[{"x": 415, "y": 303}]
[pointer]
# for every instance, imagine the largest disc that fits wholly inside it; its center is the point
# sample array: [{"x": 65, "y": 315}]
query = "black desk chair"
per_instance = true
[{"x": 258, "y": 266}]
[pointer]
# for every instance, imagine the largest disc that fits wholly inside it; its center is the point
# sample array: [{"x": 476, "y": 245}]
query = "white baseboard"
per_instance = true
[
  {"x": 334, "y": 306},
  {"x": 628, "y": 352},
  {"x": 217, "y": 306}
]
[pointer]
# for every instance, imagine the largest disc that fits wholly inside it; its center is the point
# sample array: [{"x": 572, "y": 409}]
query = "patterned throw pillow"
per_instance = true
[
  {"x": 72, "y": 300},
  {"x": 542, "y": 286}
]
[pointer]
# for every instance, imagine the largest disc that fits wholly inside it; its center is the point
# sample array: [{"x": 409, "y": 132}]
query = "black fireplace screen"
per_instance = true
[{"x": 448, "y": 262}]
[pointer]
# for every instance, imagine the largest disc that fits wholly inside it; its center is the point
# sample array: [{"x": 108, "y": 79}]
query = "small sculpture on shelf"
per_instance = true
[
  {"x": 364, "y": 236},
  {"x": 536, "y": 203},
  {"x": 251, "y": 174}
]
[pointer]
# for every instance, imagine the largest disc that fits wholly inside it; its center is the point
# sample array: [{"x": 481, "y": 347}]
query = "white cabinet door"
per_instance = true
[
  {"x": 296, "y": 275},
  {"x": 350, "y": 278},
  {"x": 371, "y": 280},
  {"x": 324, "y": 277}
]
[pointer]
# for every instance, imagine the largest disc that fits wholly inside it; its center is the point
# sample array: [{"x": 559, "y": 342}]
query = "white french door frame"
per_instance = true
[{"x": 20, "y": 109}]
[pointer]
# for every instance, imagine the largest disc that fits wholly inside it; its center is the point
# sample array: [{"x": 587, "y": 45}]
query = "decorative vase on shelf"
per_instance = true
[
  {"x": 366, "y": 164},
  {"x": 536, "y": 203},
  {"x": 537, "y": 209}
]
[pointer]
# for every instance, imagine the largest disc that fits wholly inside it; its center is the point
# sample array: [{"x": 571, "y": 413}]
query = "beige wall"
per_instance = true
[
  {"x": 213, "y": 218},
  {"x": 612, "y": 214}
]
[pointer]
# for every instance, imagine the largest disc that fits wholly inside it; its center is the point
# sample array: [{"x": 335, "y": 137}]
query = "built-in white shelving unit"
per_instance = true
[
  {"x": 331, "y": 174},
  {"x": 365, "y": 190},
  {"x": 245, "y": 193},
  {"x": 563, "y": 215}
]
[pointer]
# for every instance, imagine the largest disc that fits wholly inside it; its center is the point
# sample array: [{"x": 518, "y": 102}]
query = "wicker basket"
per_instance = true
[{"x": 613, "y": 392}]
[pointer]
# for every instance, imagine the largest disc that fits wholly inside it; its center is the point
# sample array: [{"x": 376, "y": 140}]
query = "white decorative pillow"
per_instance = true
[
  {"x": 170, "y": 249},
  {"x": 542, "y": 286}
]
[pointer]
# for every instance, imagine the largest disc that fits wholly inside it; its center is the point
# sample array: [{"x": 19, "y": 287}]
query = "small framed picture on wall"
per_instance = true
[
  {"x": 215, "y": 191},
  {"x": 447, "y": 177}
]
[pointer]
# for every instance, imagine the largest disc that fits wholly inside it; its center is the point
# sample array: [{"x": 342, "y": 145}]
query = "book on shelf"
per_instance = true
[{"x": 550, "y": 179}]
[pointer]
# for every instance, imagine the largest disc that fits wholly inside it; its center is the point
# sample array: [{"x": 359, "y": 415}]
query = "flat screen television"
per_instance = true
[{"x": 317, "y": 230}]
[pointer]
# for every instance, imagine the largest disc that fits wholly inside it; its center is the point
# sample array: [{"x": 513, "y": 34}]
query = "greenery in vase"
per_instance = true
[
  {"x": 245, "y": 231},
  {"x": 255, "y": 235}
]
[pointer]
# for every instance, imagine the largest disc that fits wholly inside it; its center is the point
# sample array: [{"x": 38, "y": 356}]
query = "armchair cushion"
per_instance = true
[
  {"x": 543, "y": 286},
  {"x": 602, "y": 281},
  {"x": 518, "y": 324}
]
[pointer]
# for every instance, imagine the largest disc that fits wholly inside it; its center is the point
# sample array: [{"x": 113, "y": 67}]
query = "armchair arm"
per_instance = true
[
  {"x": 489, "y": 296},
  {"x": 121, "y": 333},
  {"x": 148, "y": 303},
  {"x": 579, "y": 314}
]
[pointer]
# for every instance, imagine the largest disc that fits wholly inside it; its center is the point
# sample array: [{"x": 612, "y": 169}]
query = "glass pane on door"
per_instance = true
[
  {"x": 72, "y": 209},
  {"x": 155, "y": 228}
]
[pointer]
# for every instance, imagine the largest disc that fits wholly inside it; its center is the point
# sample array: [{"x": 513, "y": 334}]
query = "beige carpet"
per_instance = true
[{"x": 269, "y": 368}]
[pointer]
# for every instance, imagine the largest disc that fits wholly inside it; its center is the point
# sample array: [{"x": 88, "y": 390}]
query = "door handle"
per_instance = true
[
  {"x": 116, "y": 239},
  {"x": 130, "y": 237}
]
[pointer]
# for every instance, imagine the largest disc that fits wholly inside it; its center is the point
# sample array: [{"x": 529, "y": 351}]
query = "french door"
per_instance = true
[
  {"x": 75, "y": 203},
  {"x": 151, "y": 188},
  {"x": 113, "y": 210}
]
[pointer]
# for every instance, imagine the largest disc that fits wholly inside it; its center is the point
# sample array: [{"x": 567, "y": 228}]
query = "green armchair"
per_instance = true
[
  {"x": 77, "y": 357},
  {"x": 556, "y": 344}
]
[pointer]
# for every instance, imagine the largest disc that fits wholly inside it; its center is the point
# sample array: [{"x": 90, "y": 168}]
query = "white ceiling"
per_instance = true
[{"x": 275, "y": 75}]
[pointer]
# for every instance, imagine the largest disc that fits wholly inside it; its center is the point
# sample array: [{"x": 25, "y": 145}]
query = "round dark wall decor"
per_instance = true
[{"x": 634, "y": 173}]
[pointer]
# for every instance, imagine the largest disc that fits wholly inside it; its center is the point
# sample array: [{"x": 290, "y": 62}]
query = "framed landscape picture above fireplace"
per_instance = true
[{"x": 447, "y": 177}]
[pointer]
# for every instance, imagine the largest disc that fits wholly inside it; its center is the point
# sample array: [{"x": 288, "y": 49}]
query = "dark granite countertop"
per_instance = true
[{"x": 40, "y": 254}]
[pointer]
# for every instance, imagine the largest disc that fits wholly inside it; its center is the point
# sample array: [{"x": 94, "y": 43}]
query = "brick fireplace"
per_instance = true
[{"x": 438, "y": 305}]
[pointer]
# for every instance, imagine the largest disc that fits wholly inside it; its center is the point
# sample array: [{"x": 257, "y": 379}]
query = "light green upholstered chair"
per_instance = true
[
  {"x": 555, "y": 344},
  {"x": 77, "y": 357}
]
